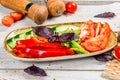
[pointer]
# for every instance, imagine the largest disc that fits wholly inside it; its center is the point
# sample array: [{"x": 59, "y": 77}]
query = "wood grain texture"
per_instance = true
[
  {"x": 83, "y": 2},
  {"x": 52, "y": 75},
  {"x": 76, "y": 69}
]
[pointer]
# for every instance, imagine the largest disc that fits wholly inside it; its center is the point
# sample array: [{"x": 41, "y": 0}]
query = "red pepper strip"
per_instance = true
[
  {"x": 28, "y": 41},
  {"x": 34, "y": 53},
  {"x": 47, "y": 52},
  {"x": 50, "y": 45},
  {"x": 31, "y": 43},
  {"x": 66, "y": 49},
  {"x": 42, "y": 52}
]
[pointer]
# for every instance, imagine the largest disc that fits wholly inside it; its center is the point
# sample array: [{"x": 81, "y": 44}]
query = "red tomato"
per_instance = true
[
  {"x": 106, "y": 30},
  {"x": 95, "y": 44},
  {"x": 98, "y": 28},
  {"x": 71, "y": 7},
  {"x": 87, "y": 31},
  {"x": 7, "y": 21},
  {"x": 117, "y": 52},
  {"x": 16, "y": 15}
]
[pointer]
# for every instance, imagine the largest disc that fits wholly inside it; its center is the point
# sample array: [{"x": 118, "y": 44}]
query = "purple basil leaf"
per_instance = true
[
  {"x": 35, "y": 71},
  {"x": 54, "y": 38},
  {"x": 43, "y": 31},
  {"x": 105, "y": 56},
  {"x": 66, "y": 37},
  {"x": 105, "y": 15}
]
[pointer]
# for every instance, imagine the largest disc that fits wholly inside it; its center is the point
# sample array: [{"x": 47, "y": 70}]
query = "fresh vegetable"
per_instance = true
[
  {"x": 99, "y": 40},
  {"x": 98, "y": 28},
  {"x": 37, "y": 49},
  {"x": 16, "y": 16},
  {"x": 117, "y": 52},
  {"x": 7, "y": 21},
  {"x": 77, "y": 47},
  {"x": 55, "y": 7},
  {"x": 95, "y": 44},
  {"x": 67, "y": 28},
  {"x": 106, "y": 31},
  {"x": 33, "y": 42},
  {"x": 87, "y": 31},
  {"x": 71, "y": 7},
  {"x": 35, "y": 71},
  {"x": 43, "y": 31}
]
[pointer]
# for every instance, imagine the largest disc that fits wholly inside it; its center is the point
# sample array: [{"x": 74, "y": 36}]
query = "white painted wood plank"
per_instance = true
[
  {"x": 52, "y": 75},
  {"x": 7, "y": 62},
  {"x": 83, "y": 2}
]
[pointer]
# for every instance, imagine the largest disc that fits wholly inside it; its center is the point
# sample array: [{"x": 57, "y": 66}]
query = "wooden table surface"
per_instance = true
[{"x": 76, "y": 69}]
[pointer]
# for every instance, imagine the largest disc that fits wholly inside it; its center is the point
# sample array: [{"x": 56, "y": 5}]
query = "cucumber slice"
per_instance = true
[
  {"x": 11, "y": 42},
  {"x": 62, "y": 28},
  {"x": 29, "y": 34},
  {"x": 26, "y": 35}
]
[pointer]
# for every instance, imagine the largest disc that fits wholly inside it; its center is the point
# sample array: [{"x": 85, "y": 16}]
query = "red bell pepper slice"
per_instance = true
[
  {"x": 42, "y": 52},
  {"x": 36, "y": 53},
  {"x": 31, "y": 48},
  {"x": 34, "y": 43}
]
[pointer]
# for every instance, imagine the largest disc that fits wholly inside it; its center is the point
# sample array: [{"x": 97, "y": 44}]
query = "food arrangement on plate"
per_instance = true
[{"x": 60, "y": 41}]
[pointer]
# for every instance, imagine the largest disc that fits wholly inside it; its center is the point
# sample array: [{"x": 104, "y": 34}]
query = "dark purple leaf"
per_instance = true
[
  {"x": 35, "y": 71},
  {"x": 105, "y": 15},
  {"x": 43, "y": 31},
  {"x": 67, "y": 37},
  {"x": 105, "y": 56},
  {"x": 54, "y": 38}
]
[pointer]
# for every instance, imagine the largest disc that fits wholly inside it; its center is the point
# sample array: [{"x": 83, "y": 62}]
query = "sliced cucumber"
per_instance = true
[
  {"x": 29, "y": 34},
  {"x": 26, "y": 35},
  {"x": 11, "y": 42},
  {"x": 66, "y": 27}
]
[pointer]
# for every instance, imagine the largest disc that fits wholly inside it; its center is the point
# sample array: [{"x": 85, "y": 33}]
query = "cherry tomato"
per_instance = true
[
  {"x": 117, "y": 52},
  {"x": 71, "y": 7},
  {"x": 16, "y": 15},
  {"x": 7, "y": 21}
]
